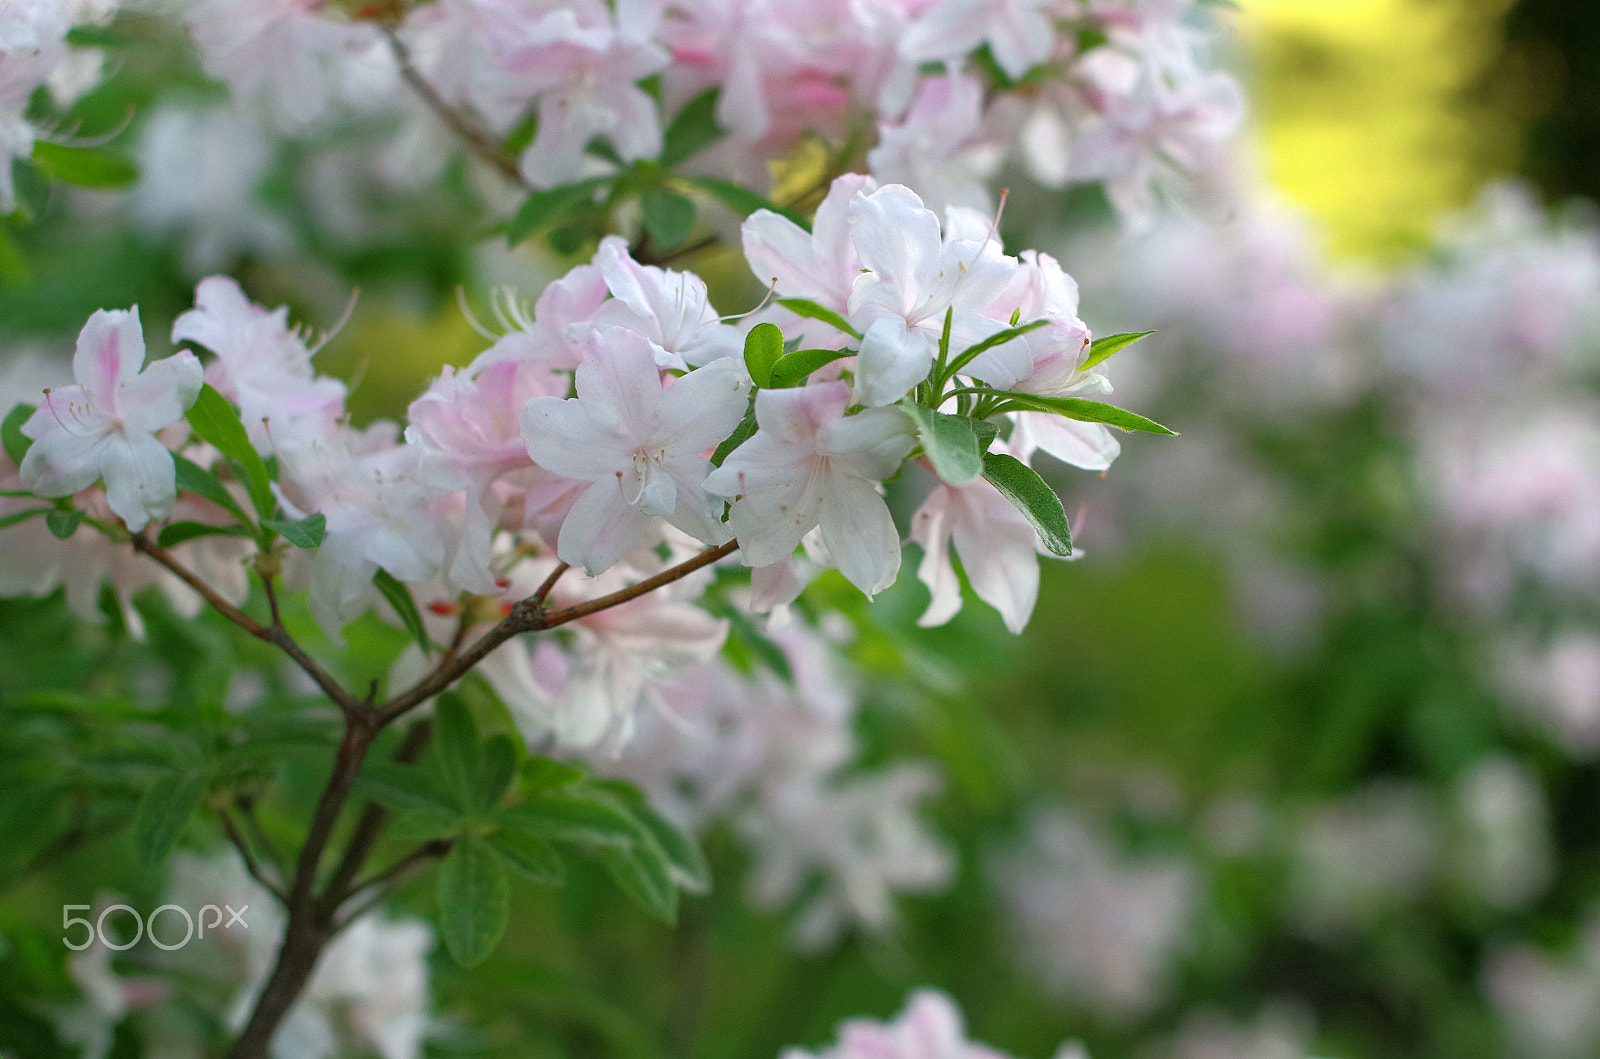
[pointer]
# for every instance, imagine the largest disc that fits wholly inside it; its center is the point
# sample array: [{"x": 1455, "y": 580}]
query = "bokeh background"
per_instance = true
[{"x": 1298, "y": 758}]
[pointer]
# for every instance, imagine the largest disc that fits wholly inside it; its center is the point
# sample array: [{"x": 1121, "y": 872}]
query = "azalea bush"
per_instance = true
[{"x": 601, "y": 588}]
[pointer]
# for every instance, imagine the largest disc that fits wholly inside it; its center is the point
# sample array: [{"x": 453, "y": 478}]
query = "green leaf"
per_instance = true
[
  {"x": 215, "y": 421},
  {"x": 811, "y": 310},
  {"x": 642, "y": 871},
  {"x": 193, "y": 478},
  {"x": 64, "y": 523},
  {"x": 685, "y": 861},
  {"x": 399, "y": 597},
  {"x": 1083, "y": 410},
  {"x": 741, "y": 433},
  {"x": 532, "y": 857},
  {"x": 1029, "y": 493},
  {"x": 999, "y": 338},
  {"x": 13, "y": 262},
  {"x": 543, "y": 207},
  {"x": 986, "y": 432},
  {"x": 15, "y": 442},
  {"x": 308, "y": 532},
  {"x": 742, "y": 200},
  {"x": 693, "y": 129},
  {"x": 763, "y": 347},
  {"x": 499, "y": 766},
  {"x": 163, "y": 813},
  {"x": 178, "y": 532},
  {"x": 668, "y": 217},
  {"x": 88, "y": 167},
  {"x": 542, "y": 774},
  {"x": 949, "y": 441},
  {"x": 474, "y": 901},
  {"x": 793, "y": 368},
  {"x": 424, "y": 825},
  {"x": 460, "y": 754},
  {"x": 23, "y": 516},
  {"x": 1102, "y": 348},
  {"x": 575, "y": 817},
  {"x": 402, "y": 788}
]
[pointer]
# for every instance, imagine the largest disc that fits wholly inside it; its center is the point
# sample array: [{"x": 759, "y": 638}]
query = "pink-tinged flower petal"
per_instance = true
[
  {"x": 63, "y": 459},
  {"x": 858, "y": 532},
  {"x": 600, "y": 528},
  {"x": 110, "y": 352},
  {"x": 930, "y": 529},
  {"x": 893, "y": 360},
  {"x": 160, "y": 394},
  {"x": 870, "y": 444},
  {"x": 563, "y": 438},
  {"x": 698, "y": 411},
  {"x": 896, "y": 236},
  {"x": 1090, "y": 446},
  {"x": 141, "y": 479}
]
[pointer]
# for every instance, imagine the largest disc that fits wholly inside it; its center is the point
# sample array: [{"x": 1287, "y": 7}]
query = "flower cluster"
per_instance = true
[
  {"x": 621, "y": 418},
  {"x": 942, "y": 90}
]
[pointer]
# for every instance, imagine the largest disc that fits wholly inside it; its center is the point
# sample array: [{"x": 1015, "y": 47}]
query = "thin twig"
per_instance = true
[
  {"x": 474, "y": 137},
  {"x": 247, "y": 809},
  {"x": 273, "y": 634},
  {"x": 386, "y": 882},
  {"x": 544, "y": 590},
  {"x": 250, "y": 864},
  {"x": 529, "y": 615},
  {"x": 272, "y": 598},
  {"x": 369, "y": 828}
]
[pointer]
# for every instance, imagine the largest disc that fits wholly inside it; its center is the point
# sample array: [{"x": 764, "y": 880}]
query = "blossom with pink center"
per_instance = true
[
  {"x": 639, "y": 443},
  {"x": 809, "y": 464},
  {"x": 104, "y": 427},
  {"x": 671, "y": 309}
]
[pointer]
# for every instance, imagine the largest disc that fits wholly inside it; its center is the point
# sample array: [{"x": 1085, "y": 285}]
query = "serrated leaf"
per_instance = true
[
  {"x": 949, "y": 441},
  {"x": 401, "y": 788},
  {"x": 542, "y": 207},
  {"x": 216, "y": 422},
  {"x": 668, "y": 216},
  {"x": 11, "y": 436},
  {"x": 1102, "y": 348},
  {"x": 308, "y": 532},
  {"x": 812, "y": 311},
  {"x": 532, "y": 857},
  {"x": 64, "y": 523},
  {"x": 499, "y": 765},
  {"x": 1084, "y": 411},
  {"x": 193, "y": 478},
  {"x": 460, "y": 755},
  {"x": 399, "y": 597},
  {"x": 177, "y": 532},
  {"x": 89, "y": 167},
  {"x": 1032, "y": 496},
  {"x": 642, "y": 871},
  {"x": 163, "y": 813},
  {"x": 793, "y": 368},
  {"x": 763, "y": 348},
  {"x": 693, "y": 129},
  {"x": 570, "y": 816},
  {"x": 23, "y": 516},
  {"x": 741, "y": 433},
  {"x": 474, "y": 901}
]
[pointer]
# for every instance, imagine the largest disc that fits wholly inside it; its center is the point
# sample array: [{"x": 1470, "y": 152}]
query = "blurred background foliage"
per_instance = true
[{"x": 1138, "y": 693}]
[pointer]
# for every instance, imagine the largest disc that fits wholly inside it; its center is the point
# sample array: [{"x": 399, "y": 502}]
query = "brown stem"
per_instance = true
[
  {"x": 274, "y": 634},
  {"x": 369, "y": 828},
  {"x": 310, "y": 926},
  {"x": 387, "y": 881},
  {"x": 529, "y": 615},
  {"x": 245, "y": 853},
  {"x": 474, "y": 137}
]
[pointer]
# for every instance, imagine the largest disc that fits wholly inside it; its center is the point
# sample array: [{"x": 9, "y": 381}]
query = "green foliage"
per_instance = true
[
  {"x": 668, "y": 216},
  {"x": 88, "y": 167},
  {"x": 163, "y": 813},
  {"x": 216, "y": 422},
  {"x": 693, "y": 129},
  {"x": 1104, "y": 347},
  {"x": 812, "y": 311},
  {"x": 64, "y": 522},
  {"x": 741, "y": 434},
  {"x": 474, "y": 900},
  {"x": 950, "y": 442},
  {"x": 192, "y": 478},
  {"x": 544, "y": 208},
  {"x": 742, "y": 200},
  {"x": 1083, "y": 410},
  {"x": 308, "y": 532},
  {"x": 1032, "y": 496},
  {"x": 794, "y": 368},
  {"x": 15, "y": 442},
  {"x": 398, "y": 595},
  {"x": 763, "y": 348}
]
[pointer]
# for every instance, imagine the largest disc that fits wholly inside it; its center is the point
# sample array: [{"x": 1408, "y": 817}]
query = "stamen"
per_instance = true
[
  {"x": 472, "y": 320},
  {"x": 762, "y": 304},
  {"x": 344, "y": 318}
]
